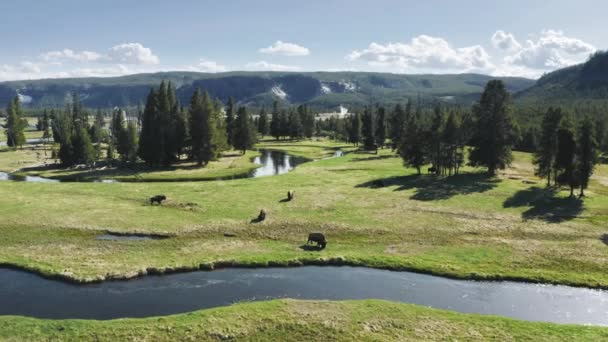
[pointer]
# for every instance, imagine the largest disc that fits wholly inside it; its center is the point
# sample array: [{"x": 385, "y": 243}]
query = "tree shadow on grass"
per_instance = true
[
  {"x": 545, "y": 204},
  {"x": 432, "y": 188}
]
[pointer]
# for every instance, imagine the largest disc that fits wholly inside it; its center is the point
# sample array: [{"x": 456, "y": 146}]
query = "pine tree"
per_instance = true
[
  {"x": 97, "y": 132},
  {"x": 149, "y": 140},
  {"x": 83, "y": 151},
  {"x": 263, "y": 126},
  {"x": 244, "y": 131},
  {"x": 230, "y": 121},
  {"x": 381, "y": 127},
  {"x": 220, "y": 139},
  {"x": 434, "y": 139},
  {"x": 587, "y": 155},
  {"x": 451, "y": 154},
  {"x": 275, "y": 124},
  {"x": 131, "y": 142},
  {"x": 565, "y": 157},
  {"x": 411, "y": 148},
  {"x": 15, "y": 124},
  {"x": 493, "y": 134},
  {"x": 397, "y": 124},
  {"x": 46, "y": 128},
  {"x": 354, "y": 129},
  {"x": 199, "y": 128},
  {"x": 308, "y": 121},
  {"x": 296, "y": 130},
  {"x": 368, "y": 129},
  {"x": 284, "y": 127},
  {"x": 544, "y": 157}
]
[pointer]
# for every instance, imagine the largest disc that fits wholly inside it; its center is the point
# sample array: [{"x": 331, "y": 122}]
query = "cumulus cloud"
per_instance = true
[
  {"x": 68, "y": 54},
  {"x": 285, "y": 49},
  {"x": 505, "y": 41},
  {"x": 424, "y": 54},
  {"x": 263, "y": 65},
  {"x": 132, "y": 53},
  {"x": 552, "y": 50},
  {"x": 127, "y": 53},
  {"x": 205, "y": 65}
]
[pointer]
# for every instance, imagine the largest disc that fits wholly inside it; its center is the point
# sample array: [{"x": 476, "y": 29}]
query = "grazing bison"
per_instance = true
[
  {"x": 432, "y": 170},
  {"x": 290, "y": 195},
  {"x": 158, "y": 199},
  {"x": 318, "y": 238},
  {"x": 262, "y": 215}
]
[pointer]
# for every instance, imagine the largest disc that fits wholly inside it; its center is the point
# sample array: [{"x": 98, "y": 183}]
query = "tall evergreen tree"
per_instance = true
[
  {"x": 244, "y": 131},
  {"x": 230, "y": 121},
  {"x": 131, "y": 142},
  {"x": 434, "y": 139},
  {"x": 493, "y": 135},
  {"x": 544, "y": 157},
  {"x": 15, "y": 124},
  {"x": 83, "y": 151},
  {"x": 275, "y": 122},
  {"x": 397, "y": 124},
  {"x": 354, "y": 129},
  {"x": 201, "y": 127},
  {"x": 46, "y": 127},
  {"x": 149, "y": 143},
  {"x": 368, "y": 129},
  {"x": 587, "y": 154},
  {"x": 411, "y": 148},
  {"x": 566, "y": 154},
  {"x": 381, "y": 126},
  {"x": 263, "y": 124},
  {"x": 296, "y": 130}
]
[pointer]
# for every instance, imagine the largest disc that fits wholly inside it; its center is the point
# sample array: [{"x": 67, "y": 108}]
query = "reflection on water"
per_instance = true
[
  {"x": 275, "y": 163},
  {"x": 7, "y": 176},
  {"x": 23, "y": 293}
]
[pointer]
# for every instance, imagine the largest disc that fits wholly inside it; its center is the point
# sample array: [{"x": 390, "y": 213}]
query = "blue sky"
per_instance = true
[{"x": 63, "y": 38}]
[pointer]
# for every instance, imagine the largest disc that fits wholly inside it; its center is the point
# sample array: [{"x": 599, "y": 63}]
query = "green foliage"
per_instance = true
[
  {"x": 586, "y": 154},
  {"x": 245, "y": 136},
  {"x": 544, "y": 157},
  {"x": 263, "y": 124},
  {"x": 493, "y": 135},
  {"x": 354, "y": 129},
  {"x": 15, "y": 124}
]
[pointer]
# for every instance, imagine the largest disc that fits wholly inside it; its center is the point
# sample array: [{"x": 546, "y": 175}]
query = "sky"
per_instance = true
[{"x": 77, "y": 38}]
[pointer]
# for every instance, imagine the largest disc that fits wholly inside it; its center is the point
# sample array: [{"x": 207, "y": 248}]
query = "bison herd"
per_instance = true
[{"x": 317, "y": 238}]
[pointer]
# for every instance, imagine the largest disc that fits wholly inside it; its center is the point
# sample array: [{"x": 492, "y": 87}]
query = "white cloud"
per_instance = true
[
  {"x": 505, "y": 41},
  {"x": 132, "y": 53},
  {"x": 424, "y": 54},
  {"x": 263, "y": 65},
  {"x": 550, "y": 51},
  {"x": 285, "y": 49},
  {"x": 205, "y": 65},
  {"x": 68, "y": 54}
]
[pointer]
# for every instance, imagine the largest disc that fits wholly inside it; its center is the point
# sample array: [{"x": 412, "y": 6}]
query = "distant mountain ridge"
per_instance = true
[
  {"x": 320, "y": 90},
  {"x": 586, "y": 81}
]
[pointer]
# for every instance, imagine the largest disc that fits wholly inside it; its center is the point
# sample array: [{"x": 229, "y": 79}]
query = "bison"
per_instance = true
[
  {"x": 290, "y": 195},
  {"x": 262, "y": 215},
  {"x": 158, "y": 199},
  {"x": 318, "y": 238},
  {"x": 432, "y": 170}
]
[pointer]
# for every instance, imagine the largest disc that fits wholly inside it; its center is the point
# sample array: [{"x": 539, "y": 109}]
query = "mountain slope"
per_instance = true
[
  {"x": 581, "y": 82},
  {"x": 321, "y": 90}
]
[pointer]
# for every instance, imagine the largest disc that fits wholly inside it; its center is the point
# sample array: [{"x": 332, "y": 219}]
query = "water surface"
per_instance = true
[{"x": 23, "y": 293}]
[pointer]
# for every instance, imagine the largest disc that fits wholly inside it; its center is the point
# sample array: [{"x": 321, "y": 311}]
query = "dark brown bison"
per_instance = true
[
  {"x": 158, "y": 199},
  {"x": 432, "y": 170},
  {"x": 318, "y": 238},
  {"x": 290, "y": 195},
  {"x": 262, "y": 215}
]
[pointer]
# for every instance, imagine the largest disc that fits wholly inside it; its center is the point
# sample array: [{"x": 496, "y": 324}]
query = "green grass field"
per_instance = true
[
  {"x": 373, "y": 211},
  {"x": 295, "y": 320}
]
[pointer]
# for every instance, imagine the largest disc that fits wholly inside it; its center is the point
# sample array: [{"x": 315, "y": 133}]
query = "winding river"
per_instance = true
[
  {"x": 271, "y": 163},
  {"x": 27, "y": 294}
]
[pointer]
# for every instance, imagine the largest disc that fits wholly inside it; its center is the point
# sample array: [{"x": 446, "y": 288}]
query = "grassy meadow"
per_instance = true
[{"x": 373, "y": 211}]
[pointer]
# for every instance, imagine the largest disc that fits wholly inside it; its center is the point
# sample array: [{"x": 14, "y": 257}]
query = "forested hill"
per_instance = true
[
  {"x": 321, "y": 90},
  {"x": 587, "y": 81}
]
